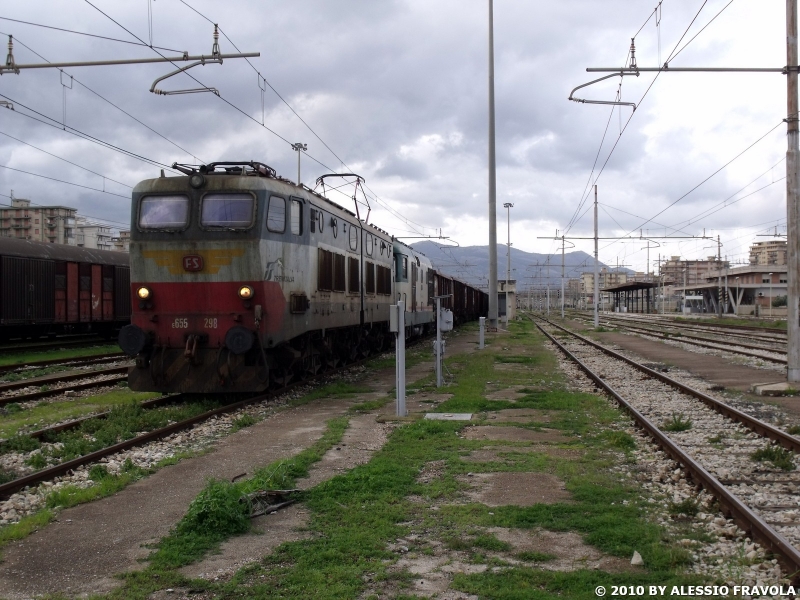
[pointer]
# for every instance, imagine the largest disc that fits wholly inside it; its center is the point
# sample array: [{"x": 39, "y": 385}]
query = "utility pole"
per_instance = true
[
  {"x": 492, "y": 184},
  {"x": 792, "y": 198},
  {"x": 596, "y": 274},
  {"x": 297, "y": 148},
  {"x": 562, "y": 277},
  {"x": 508, "y": 206},
  {"x": 719, "y": 278}
]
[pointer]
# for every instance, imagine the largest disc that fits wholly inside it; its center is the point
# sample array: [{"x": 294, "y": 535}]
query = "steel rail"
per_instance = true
[
  {"x": 682, "y": 336},
  {"x": 58, "y": 391},
  {"x": 9, "y": 488},
  {"x": 39, "y": 381},
  {"x": 675, "y": 338},
  {"x": 721, "y": 325},
  {"x": 80, "y": 361},
  {"x": 760, "y": 427},
  {"x": 690, "y": 336},
  {"x": 699, "y": 328},
  {"x": 75, "y": 423},
  {"x": 753, "y": 525}
]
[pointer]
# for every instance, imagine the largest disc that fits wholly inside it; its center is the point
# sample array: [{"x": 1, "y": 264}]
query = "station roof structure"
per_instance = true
[{"x": 630, "y": 286}]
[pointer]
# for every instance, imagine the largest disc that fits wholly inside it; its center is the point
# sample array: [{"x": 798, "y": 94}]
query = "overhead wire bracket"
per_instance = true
[
  {"x": 634, "y": 70},
  {"x": 216, "y": 58},
  {"x": 10, "y": 66}
]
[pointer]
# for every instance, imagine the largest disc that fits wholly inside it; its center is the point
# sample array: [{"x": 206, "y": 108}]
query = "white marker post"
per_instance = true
[
  {"x": 444, "y": 322},
  {"x": 397, "y": 324},
  {"x": 482, "y": 321}
]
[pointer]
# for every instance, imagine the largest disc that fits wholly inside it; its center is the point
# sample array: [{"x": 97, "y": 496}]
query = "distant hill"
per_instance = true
[{"x": 471, "y": 263}]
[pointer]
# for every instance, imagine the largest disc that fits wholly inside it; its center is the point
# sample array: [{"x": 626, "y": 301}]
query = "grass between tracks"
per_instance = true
[
  {"x": 25, "y": 358},
  {"x": 369, "y": 525}
]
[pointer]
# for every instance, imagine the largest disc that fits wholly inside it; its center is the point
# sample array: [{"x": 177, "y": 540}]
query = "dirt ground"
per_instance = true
[{"x": 80, "y": 553}]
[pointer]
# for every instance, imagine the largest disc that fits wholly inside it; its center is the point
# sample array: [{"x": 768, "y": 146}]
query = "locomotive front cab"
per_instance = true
[{"x": 200, "y": 303}]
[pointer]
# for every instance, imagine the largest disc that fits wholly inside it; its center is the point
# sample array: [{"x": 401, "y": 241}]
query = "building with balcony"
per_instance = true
[
  {"x": 93, "y": 235},
  {"x": 54, "y": 224},
  {"x": 771, "y": 253}
]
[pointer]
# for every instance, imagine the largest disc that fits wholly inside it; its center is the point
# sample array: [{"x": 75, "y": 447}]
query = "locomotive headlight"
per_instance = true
[
  {"x": 197, "y": 181},
  {"x": 144, "y": 293},
  {"x": 245, "y": 292}
]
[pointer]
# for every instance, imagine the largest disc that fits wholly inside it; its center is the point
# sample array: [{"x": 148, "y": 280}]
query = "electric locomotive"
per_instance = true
[{"x": 242, "y": 280}]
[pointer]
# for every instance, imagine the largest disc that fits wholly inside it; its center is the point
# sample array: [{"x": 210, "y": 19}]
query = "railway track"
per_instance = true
[
  {"x": 773, "y": 355},
  {"x": 70, "y": 362},
  {"x": 49, "y": 473},
  {"x": 54, "y": 345},
  {"x": 724, "y": 331},
  {"x": 111, "y": 376},
  {"x": 717, "y": 448}
]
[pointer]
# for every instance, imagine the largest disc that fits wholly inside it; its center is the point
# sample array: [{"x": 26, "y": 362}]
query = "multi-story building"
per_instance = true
[
  {"x": 54, "y": 224},
  {"x": 122, "y": 243},
  {"x": 695, "y": 272},
  {"x": 606, "y": 278},
  {"x": 93, "y": 235},
  {"x": 769, "y": 253}
]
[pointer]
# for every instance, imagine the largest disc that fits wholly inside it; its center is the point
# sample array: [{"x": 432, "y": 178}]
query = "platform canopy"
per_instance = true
[{"x": 631, "y": 286}]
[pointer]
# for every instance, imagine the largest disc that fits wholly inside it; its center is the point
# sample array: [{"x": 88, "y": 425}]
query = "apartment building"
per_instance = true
[
  {"x": 770, "y": 253},
  {"x": 54, "y": 224},
  {"x": 93, "y": 235},
  {"x": 695, "y": 272}
]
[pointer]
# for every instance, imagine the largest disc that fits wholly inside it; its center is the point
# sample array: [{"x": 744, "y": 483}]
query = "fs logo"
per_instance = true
[{"x": 193, "y": 262}]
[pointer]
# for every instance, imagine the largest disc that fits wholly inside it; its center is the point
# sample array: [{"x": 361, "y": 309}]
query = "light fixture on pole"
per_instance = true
[
  {"x": 508, "y": 206},
  {"x": 297, "y": 148},
  {"x": 492, "y": 183},
  {"x": 770, "y": 295}
]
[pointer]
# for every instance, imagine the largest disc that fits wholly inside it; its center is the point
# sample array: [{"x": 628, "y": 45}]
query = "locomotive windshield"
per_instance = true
[
  {"x": 227, "y": 210},
  {"x": 164, "y": 212}
]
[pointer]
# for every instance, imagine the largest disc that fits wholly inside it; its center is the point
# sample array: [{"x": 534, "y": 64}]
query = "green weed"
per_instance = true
[
  {"x": 243, "y": 421},
  {"x": 780, "y": 457},
  {"x": 677, "y": 423}
]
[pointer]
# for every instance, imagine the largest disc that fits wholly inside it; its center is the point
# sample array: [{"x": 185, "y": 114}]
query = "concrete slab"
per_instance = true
[
  {"x": 782, "y": 388},
  {"x": 448, "y": 416}
]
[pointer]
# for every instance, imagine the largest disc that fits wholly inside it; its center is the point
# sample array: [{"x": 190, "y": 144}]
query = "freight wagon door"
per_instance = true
[
  {"x": 97, "y": 292},
  {"x": 27, "y": 290},
  {"x": 108, "y": 292},
  {"x": 414, "y": 277},
  {"x": 72, "y": 292},
  {"x": 61, "y": 292},
  {"x": 85, "y": 292}
]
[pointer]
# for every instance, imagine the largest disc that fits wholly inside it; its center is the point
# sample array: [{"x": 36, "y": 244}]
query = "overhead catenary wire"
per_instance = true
[
  {"x": 646, "y": 92},
  {"x": 64, "y": 159},
  {"x": 106, "y": 100},
  {"x": 374, "y": 196},
  {"x": 86, "y": 187},
  {"x": 102, "y": 37}
]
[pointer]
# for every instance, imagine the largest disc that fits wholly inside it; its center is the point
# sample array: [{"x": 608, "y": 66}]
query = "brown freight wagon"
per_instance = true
[{"x": 47, "y": 289}]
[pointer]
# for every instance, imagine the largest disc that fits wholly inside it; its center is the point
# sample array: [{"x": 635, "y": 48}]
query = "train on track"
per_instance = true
[
  {"x": 50, "y": 289},
  {"x": 242, "y": 280}
]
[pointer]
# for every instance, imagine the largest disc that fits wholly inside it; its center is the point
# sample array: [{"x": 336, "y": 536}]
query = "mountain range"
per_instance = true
[{"x": 471, "y": 264}]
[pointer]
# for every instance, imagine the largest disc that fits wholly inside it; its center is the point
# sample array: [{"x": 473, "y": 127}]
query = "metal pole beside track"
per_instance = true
[
  {"x": 401, "y": 359},
  {"x": 792, "y": 197}
]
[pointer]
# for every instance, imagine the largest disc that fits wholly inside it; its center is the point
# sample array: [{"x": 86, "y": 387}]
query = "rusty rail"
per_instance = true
[{"x": 752, "y": 524}]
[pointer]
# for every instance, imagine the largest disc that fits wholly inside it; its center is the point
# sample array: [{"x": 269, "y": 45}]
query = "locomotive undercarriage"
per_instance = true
[{"x": 196, "y": 368}]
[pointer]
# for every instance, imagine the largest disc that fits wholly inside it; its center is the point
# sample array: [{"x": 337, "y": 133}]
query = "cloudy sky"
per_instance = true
[{"x": 396, "y": 91}]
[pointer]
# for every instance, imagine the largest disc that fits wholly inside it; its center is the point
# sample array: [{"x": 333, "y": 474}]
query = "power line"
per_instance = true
[
  {"x": 104, "y": 99},
  {"x": 102, "y": 37},
  {"x": 64, "y": 159},
  {"x": 77, "y": 133},
  {"x": 62, "y": 181}
]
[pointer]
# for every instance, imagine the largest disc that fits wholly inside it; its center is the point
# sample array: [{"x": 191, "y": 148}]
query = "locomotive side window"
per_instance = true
[
  {"x": 297, "y": 217},
  {"x": 164, "y": 212},
  {"x": 369, "y": 277},
  {"x": 370, "y": 244},
  {"x": 353, "y": 238},
  {"x": 353, "y": 275},
  {"x": 338, "y": 272},
  {"x": 276, "y": 214},
  {"x": 227, "y": 210},
  {"x": 384, "y": 280},
  {"x": 402, "y": 267},
  {"x": 324, "y": 270}
]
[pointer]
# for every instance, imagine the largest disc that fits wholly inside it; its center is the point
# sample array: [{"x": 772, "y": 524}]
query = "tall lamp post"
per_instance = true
[
  {"x": 508, "y": 206},
  {"x": 770, "y": 295},
  {"x": 492, "y": 183},
  {"x": 298, "y": 147}
]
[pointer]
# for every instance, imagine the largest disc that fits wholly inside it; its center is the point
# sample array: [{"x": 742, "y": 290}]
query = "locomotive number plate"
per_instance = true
[{"x": 193, "y": 262}]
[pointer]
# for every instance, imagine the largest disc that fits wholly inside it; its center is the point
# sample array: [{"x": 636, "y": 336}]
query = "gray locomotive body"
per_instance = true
[{"x": 241, "y": 280}]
